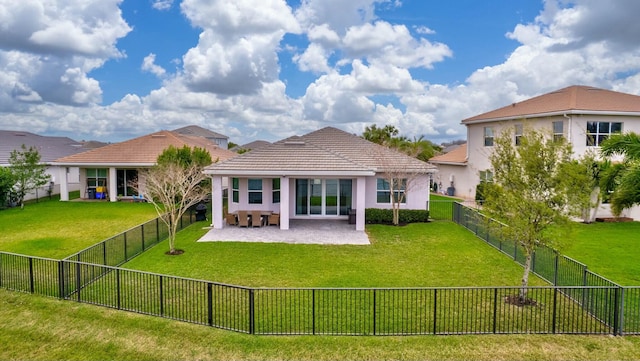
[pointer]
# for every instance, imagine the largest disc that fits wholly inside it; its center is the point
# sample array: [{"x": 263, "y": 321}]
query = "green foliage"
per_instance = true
[
  {"x": 7, "y": 181},
  {"x": 530, "y": 192},
  {"x": 185, "y": 156},
  {"x": 29, "y": 174},
  {"x": 623, "y": 178},
  {"x": 480, "y": 190},
  {"x": 583, "y": 175},
  {"x": 385, "y": 216},
  {"x": 387, "y": 136}
]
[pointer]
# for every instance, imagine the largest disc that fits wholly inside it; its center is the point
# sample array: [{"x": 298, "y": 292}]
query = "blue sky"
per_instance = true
[{"x": 267, "y": 69}]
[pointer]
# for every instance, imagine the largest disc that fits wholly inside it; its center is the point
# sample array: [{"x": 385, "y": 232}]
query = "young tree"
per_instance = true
[
  {"x": 400, "y": 175},
  {"x": 174, "y": 185},
  {"x": 29, "y": 174},
  {"x": 528, "y": 192},
  {"x": 623, "y": 178}
]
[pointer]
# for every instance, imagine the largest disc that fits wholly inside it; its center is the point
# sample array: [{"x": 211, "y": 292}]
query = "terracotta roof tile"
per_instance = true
[
  {"x": 457, "y": 155},
  {"x": 144, "y": 150},
  {"x": 574, "y": 100}
]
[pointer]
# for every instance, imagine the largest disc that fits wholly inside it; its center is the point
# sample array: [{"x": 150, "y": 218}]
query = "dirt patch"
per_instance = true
[
  {"x": 516, "y": 300},
  {"x": 175, "y": 252}
]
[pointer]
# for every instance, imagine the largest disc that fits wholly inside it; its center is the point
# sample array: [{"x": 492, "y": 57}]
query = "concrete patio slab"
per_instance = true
[{"x": 332, "y": 232}]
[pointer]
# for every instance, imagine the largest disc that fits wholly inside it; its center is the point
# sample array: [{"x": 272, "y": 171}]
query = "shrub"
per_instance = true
[{"x": 385, "y": 216}]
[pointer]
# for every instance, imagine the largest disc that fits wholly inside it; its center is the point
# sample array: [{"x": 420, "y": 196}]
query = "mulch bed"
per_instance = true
[{"x": 614, "y": 219}]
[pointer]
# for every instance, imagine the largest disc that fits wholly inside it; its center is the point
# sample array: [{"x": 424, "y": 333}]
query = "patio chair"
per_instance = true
[
  {"x": 231, "y": 219},
  {"x": 243, "y": 218},
  {"x": 274, "y": 219},
  {"x": 256, "y": 219}
]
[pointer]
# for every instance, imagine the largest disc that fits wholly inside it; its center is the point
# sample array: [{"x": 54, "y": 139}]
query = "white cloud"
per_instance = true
[
  {"x": 162, "y": 4},
  {"x": 148, "y": 64}
]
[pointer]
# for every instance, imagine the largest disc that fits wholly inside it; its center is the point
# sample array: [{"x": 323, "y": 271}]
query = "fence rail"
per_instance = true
[{"x": 579, "y": 302}]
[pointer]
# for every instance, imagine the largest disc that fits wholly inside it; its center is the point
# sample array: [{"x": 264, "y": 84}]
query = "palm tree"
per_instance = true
[{"x": 623, "y": 178}]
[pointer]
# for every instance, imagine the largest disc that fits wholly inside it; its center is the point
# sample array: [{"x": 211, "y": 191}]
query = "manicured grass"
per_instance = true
[
  {"x": 435, "y": 254},
  {"x": 55, "y": 229},
  {"x": 39, "y": 328},
  {"x": 608, "y": 249}
]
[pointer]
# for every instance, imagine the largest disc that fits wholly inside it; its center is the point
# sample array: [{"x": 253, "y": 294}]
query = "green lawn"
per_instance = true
[
  {"x": 55, "y": 229},
  {"x": 434, "y": 254},
  {"x": 39, "y": 328},
  {"x": 611, "y": 250}
]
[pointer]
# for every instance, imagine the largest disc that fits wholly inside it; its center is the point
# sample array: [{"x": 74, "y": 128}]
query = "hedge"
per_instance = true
[{"x": 385, "y": 216}]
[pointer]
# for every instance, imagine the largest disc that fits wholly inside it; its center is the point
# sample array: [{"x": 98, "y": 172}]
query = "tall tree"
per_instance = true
[
  {"x": 529, "y": 192},
  {"x": 383, "y": 136},
  {"x": 388, "y": 136},
  {"x": 175, "y": 184},
  {"x": 584, "y": 173},
  {"x": 623, "y": 178},
  {"x": 29, "y": 174}
]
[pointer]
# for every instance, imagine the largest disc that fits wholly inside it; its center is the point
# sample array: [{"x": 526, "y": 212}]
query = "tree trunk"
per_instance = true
[{"x": 525, "y": 278}]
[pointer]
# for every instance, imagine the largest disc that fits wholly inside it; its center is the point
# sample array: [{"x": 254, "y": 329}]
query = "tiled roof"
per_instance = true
[
  {"x": 456, "y": 156},
  {"x": 328, "y": 150},
  {"x": 251, "y": 146},
  {"x": 143, "y": 151},
  {"x": 572, "y": 100},
  {"x": 50, "y": 148},
  {"x": 200, "y": 132}
]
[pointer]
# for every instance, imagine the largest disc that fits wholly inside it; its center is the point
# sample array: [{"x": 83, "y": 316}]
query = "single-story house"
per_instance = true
[
  {"x": 50, "y": 149},
  {"x": 106, "y": 173},
  {"x": 325, "y": 174},
  {"x": 452, "y": 166}
]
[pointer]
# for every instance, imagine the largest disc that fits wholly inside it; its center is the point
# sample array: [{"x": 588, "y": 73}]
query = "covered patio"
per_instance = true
[{"x": 301, "y": 231}]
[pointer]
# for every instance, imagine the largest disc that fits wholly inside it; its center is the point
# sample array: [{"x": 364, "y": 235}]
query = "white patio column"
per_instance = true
[
  {"x": 361, "y": 191},
  {"x": 64, "y": 184},
  {"x": 217, "y": 218},
  {"x": 113, "y": 185},
  {"x": 284, "y": 203}
]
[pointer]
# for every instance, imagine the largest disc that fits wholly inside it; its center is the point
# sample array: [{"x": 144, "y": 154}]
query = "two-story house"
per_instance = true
[{"x": 585, "y": 116}]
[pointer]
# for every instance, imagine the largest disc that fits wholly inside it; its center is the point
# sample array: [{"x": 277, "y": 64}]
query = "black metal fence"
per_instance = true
[
  {"x": 122, "y": 247},
  {"x": 329, "y": 311},
  {"x": 579, "y": 302}
]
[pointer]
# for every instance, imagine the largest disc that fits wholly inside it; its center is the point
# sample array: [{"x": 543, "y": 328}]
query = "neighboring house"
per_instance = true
[
  {"x": 218, "y": 139},
  {"x": 256, "y": 144},
  {"x": 584, "y": 116},
  {"x": 452, "y": 167},
  {"x": 49, "y": 148},
  {"x": 325, "y": 174},
  {"x": 107, "y": 172}
]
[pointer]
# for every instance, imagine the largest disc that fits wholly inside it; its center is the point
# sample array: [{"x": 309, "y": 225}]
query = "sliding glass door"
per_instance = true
[{"x": 323, "y": 197}]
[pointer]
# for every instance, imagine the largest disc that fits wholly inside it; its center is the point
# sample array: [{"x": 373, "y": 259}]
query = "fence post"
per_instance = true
[
  {"x": 61, "y": 279},
  {"x": 435, "y": 310},
  {"x": 104, "y": 253},
  {"x": 78, "y": 280},
  {"x": 31, "y": 286},
  {"x": 313, "y": 311},
  {"x": 119, "y": 295},
  {"x": 533, "y": 262},
  {"x": 618, "y": 311},
  {"x": 555, "y": 305},
  {"x": 251, "y": 312},
  {"x": 374, "y": 312},
  {"x": 142, "y": 235},
  {"x": 210, "y": 303},
  {"x": 161, "y": 295},
  {"x": 495, "y": 309},
  {"x": 158, "y": 230}
]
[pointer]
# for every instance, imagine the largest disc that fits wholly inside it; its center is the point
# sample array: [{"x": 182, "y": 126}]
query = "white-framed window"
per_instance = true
[
  {"x": 275, "y": 187},
  {"x": 255, "y": 191},
  {"x": 235, "y": 190},
  {"x": 597, "y": 132},
  {"x": 488, "y": 136},
  {"x": 96, "y": 177},
  {"x": 558, "y": 131},
  {"x": 486, "y": 176},
  {"x": 518, "y": 133},
  {"x": 384, "y": 190}
]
